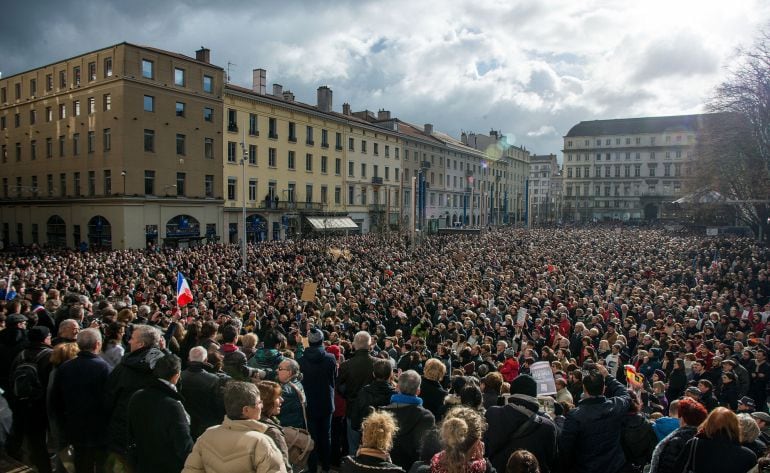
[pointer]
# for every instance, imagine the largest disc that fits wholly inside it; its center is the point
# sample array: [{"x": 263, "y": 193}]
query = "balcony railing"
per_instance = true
[
  {"x": 377, "y": 181},
  {"x": 376, "y": 207}
]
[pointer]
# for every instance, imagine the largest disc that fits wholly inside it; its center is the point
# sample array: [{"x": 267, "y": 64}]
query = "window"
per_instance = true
[
  {"x": 309, "y": 135},
  {"x": 208, "y": 84},
  {"x": 397, "y": 150},
  {"x": 148, "y": 69},
  {"x": 376, "y": 170},
  {"x": 180, "y": 109},
  {"x": 627, "y": 170},
  {"x": 76, "y": 108},
  {"x": 272, "y": 154},
  {"x": 232, "y": 184},
  {"x": 309, "y": 162},
  {"x": 232, "y": 120},
  {"x": 253, "y": 154},
  {"x": 637, "y": 170},
  {"x": 351, "y": 166},
  {"x": 253, "y": 129},
  {"x": 324, "y": 139},
  {"x": 2, "y": 123},
  {"x": 91, "y": 105},
  {"x": 48, "y": 114},
  {"x": 308, "y": 193},
  {"x": 678, "y": 154},
  {"x": 49, "y": 184},
  {"x": 292, "y": 195},
  {"x": 231, "y": 151},
  {"x": 75, "y": 144},
  {"x": 179, "y": 77},
  {"x": 324, "y": 164},
  {"x": 76, "y": 73},
  {"x": 208, "y": 148},
  {"x": 3, "y": 95},
  {"x": 351, "y": 144},
  {"x": 48, "y": 83},
  {"x": 363, "y": 169},
  {"x": 62, "y": 111},
  {"x": 363, "y": 146},
  {"x": 338, "y": 141},
  {"x": 149, "y": 140},
  {"x": 337, "y": 195},
  {"x": 181, "y": 178},
  {"x": 91, "y": 71},
  {"x": 48, "y": 148},
  {"x": 377, "y": 149},
  {"x": 252, "y": 190},
  {"x": 61, "y": 146},
  {"x": 667, "y": 170},
  {"x": 107, "y": 102},
  {"x": 652, "y": 169},
  {"x": 107, "y": 67},
  {"x": 63, "y": 185},
  {"x": 149, "y": 182},
  {"x": 291, "y": 159},
  {"x": 396, "y": 173},
  {"x": 33, "y": 149},
  {"x": 324, "y": 195},
  {"x": 149, "y": 103},
  {"x": 272, "y": 128},
  {"x": 62, "y": 79},
  {"x": 91, "y": 144},
  {"x": 91, "y": 183},
  {"x": 208, "y": 185},
  {"x": 292, "y": 132},
  {"x": 107, "y": 139},
  {"x": 337, "y": 166},
  {"x": 32, "y": 117},
  {"x": 652, "y": 155},
  {"x": 351, "y": 195},
  {"x": 180, "y": 144},
  {"x": 387, "y": 154},
  {"x": 76, "y": 184}
]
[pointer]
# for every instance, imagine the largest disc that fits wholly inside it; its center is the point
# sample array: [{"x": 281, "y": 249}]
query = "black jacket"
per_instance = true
[
  {"x": 12, "y": 341},
  {"x": 716, "y": 455},
  {"x": 203, "y": 397},
  {"x": 638, "y": 439},
  {"x": 539, "y": 437},
  {"x": 368, "y": 464},
  {"x": 414, "y": 422},
  {"x": 590, "y": 439},
  {"x": 319, "y": 370},
  {"x": 676, "y": 384},
  {"x": 433, "y": 395},
  {"x": 668, "y": 450},
  {"x": 373, "y": 395},
  {"x": 158, "y": 430},
  {"x": 355, "y": 373},
  {"x": 77, "y": 396},
  {"x": 131, "y": 375}
]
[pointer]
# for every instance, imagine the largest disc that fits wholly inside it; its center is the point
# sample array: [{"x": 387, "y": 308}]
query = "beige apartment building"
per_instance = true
[
  {"x": 627, "y": 169},
  {"x": 119, "y": 147},
  {"x": 544, "y": 189}
]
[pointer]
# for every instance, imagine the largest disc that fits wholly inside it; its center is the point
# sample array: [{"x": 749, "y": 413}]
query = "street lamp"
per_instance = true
[
  {"x": 123, "y": 174},
  {"x": 244, "y": 158}
]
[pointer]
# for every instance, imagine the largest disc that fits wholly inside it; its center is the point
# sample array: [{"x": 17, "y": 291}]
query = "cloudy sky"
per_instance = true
[{"x": 529, "y": 68}]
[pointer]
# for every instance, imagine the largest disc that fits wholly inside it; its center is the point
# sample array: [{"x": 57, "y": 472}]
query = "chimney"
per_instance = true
[
  {"x": 464, "y": 138},
  {"x": 288, "y": 96},
  {"x": 324, "y": 99},
  {"x": 278, "y": 90},
  {"x": 346, "y": 108},
  {"x": 428, "y": 129},
  {"x": 383, "y": 115},
  {"x": 203, "y": 55},
  {"x": 259, "y": 81}
]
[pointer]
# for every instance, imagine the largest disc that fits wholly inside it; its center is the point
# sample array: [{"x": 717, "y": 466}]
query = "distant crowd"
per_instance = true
[{"x": 362, "y": 354}]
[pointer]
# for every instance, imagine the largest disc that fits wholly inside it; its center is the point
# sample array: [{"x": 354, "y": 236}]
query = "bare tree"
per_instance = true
[{"x": 734, "y": 145}]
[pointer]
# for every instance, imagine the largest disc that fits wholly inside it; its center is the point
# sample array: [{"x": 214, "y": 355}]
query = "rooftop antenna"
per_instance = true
[{"x": 228, "y": 71}]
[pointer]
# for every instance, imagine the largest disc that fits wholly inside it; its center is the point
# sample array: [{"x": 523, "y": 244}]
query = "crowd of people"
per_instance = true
[{"x": 400, "y": 359}]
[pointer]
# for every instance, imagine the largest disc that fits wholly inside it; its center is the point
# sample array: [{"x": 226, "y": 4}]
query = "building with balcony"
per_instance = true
[
  {"x": 118, "y": 148},
  {"x": 544, "y": 195},
  {"x": 627, "y": 169}
]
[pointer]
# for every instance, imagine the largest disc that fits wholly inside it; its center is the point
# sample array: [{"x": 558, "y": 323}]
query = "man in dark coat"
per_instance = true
[
  {"x": 13, "y": 339},
  {"x": 519, "y": 425},
  {"x": 77, "y": 396},
  {"x": 319, "y": 371},
  {"x": 590, "y": 438},
  {"x": 355, "y": 373},
  {"x": 374, "y": 395},
  {"x": 131, "y": 375},
  {"x": 202, "y": 393},
  {"x": 158, "y": 429},
  {"x": 414, "y": 421}
]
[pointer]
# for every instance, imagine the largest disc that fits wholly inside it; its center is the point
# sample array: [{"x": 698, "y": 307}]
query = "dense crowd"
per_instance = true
[{"x": 402, "y": 360}]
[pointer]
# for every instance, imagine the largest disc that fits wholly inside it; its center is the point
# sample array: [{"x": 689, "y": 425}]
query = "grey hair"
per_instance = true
[
  {"x": 362, "y": 340},
  {"x": 239, "y": 395},
  {"x": 88, "y": 339},
  {"x": 292, "y": 365},
  {"x": 409, "y": 382},
  {"x": 198, "y": 354},
  {"x": 144, "y": 310},
  {"x": 749, "y": 428},
  {"x": 149, "y": 335},
  {"x": 66, "y": 323}
]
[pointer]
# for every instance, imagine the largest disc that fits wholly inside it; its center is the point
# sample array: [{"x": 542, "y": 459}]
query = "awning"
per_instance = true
[{"x": 332, "y": 223}]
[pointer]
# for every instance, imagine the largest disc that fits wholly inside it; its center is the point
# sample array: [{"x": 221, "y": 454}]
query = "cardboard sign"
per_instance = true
[
  {"x": 521, "y": 317},
  {"x": 308, "y": 291},
  {"x": 541, "y": 372}
]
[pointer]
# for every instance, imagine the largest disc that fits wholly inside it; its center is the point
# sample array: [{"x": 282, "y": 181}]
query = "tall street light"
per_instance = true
[{"x": 244, "y": 158}]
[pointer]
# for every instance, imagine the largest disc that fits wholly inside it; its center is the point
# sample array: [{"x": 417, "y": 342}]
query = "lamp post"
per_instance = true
[
  {"x": 244, "y": 158},
  {"x": 160, "y": 210},
  {"x": 123, "y": 174}
]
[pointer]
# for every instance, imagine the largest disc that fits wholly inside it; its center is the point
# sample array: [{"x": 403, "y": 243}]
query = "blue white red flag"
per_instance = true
[{"x": 183, "y": 293}]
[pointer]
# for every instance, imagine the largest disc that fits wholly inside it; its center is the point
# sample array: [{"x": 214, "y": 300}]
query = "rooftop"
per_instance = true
[{"x": 629, "y": 126}]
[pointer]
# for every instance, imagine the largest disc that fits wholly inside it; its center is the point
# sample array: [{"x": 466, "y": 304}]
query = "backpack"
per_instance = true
[{"x": 25, "y": 380}]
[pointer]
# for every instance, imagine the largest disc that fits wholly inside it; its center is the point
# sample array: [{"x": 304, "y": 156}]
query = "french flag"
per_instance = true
[
  {"x": 98, "y": 288},
  {"x": 183, "y": 293}
]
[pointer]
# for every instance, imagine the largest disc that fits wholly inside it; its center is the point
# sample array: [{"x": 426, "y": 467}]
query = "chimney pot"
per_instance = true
[
  {"x": 428, "y": 129},
  {"x": 324, "y": 99},
  {"x": 259, "y": 81},
  {"x": 346, "y": 108},
  {"x": 288, "y": 96},
  {"x": 383, "y": 115},
  {"x": 203, "y": 55},
  {"x": 278, "y": 90}
]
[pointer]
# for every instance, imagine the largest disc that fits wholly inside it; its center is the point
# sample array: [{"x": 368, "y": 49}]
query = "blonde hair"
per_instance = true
[
  {"x": 749, "y": 428},
  {"x": 377, "y": 431},
  {"x": 249, "y": 340},
  {"x": 460, "y": 431},
  {"x": 434, "y": 369},
  {"x": 64, "y": 352}
]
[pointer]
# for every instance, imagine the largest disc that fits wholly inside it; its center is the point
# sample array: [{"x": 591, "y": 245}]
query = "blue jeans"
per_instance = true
[{"x": 354, "y": 438}]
